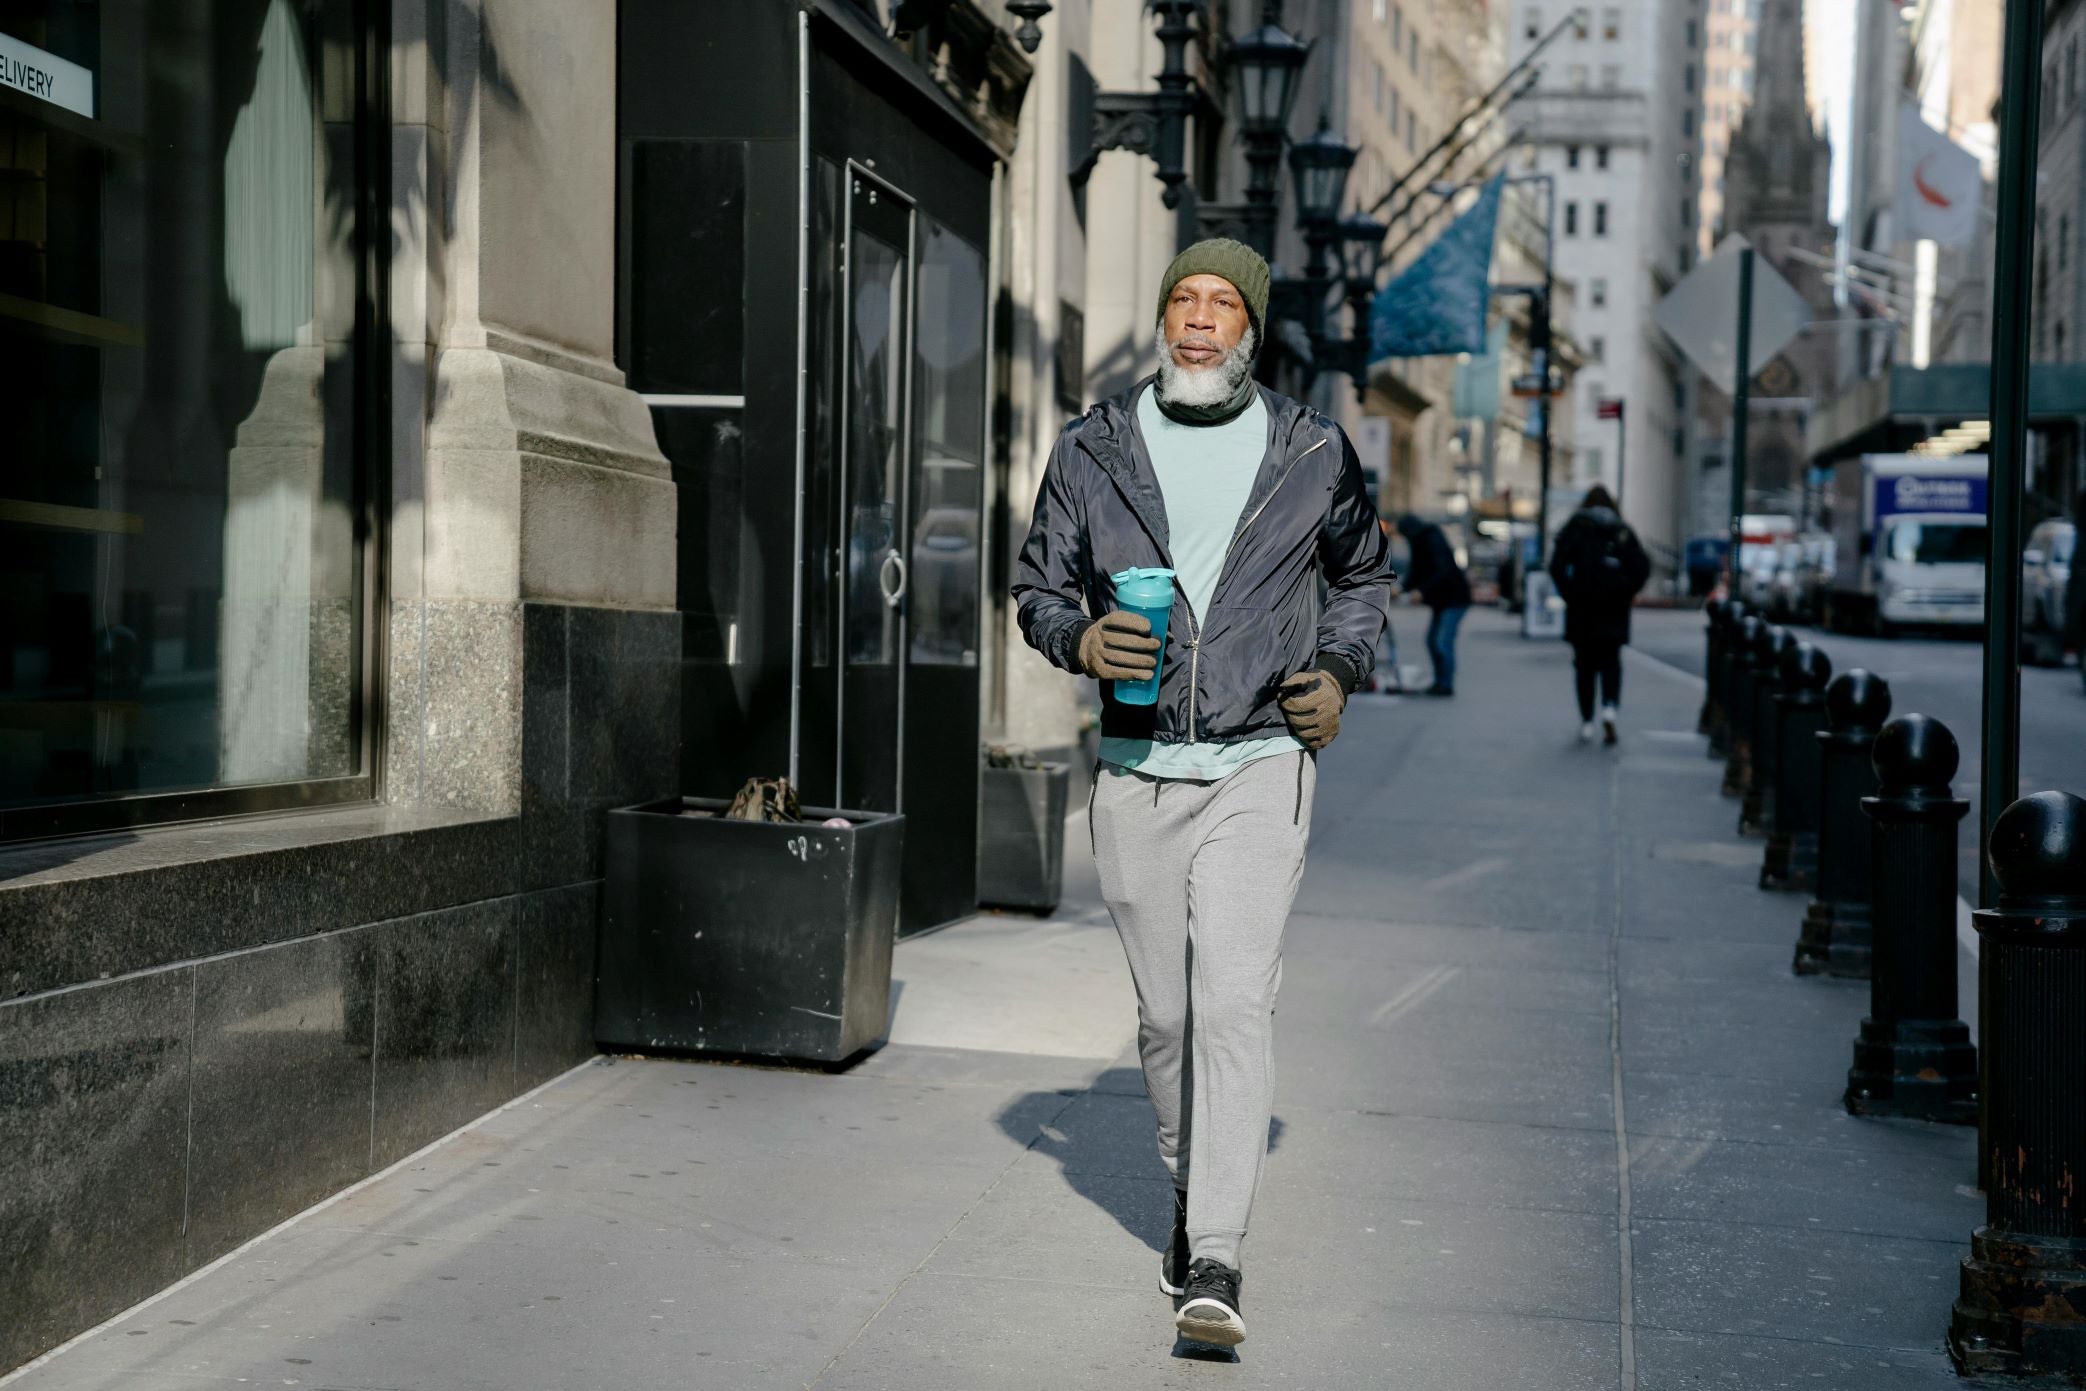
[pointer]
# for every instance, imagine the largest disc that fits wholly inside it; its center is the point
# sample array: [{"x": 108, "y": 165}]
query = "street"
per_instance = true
[
  {"x": 1553, "y": 1114},
  {"x": 1933, "y": 675}
]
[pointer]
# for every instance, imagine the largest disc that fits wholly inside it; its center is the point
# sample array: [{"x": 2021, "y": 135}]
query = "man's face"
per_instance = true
[{"x": 1205, "y": 319}]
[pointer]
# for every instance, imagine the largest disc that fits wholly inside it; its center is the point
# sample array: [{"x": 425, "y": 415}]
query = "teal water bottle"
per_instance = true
[{"x": 1146, "y": 590}]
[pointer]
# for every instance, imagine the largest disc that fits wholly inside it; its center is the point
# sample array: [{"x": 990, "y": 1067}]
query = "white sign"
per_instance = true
[
  {"x": 1941, "y": 186},
  {"x": 1701, "y": 314},
  {"x": 46, "y": 76}
]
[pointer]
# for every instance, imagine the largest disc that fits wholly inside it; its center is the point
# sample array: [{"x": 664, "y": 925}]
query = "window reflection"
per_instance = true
[
  {"x": 176, "y": 483},
  {"x": 951, "y": 372}
]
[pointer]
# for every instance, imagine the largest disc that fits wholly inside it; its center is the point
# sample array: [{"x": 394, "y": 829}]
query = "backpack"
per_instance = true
[{"x": 1605, "y": 572}]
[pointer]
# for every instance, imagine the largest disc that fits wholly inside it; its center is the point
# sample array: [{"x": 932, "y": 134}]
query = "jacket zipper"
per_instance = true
[{"x": 1195, "y": 628}]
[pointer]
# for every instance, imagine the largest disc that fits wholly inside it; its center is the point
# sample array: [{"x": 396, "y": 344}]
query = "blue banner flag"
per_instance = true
[{"x": 1440, "y": 302}]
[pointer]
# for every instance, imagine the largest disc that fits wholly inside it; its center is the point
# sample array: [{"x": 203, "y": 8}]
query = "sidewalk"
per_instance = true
[{"x": 1553, "y": 1114}]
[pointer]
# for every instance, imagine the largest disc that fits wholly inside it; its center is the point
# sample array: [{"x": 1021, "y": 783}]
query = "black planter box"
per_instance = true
[
  {"x": 746, "y": 937},
  {"x": 1021, "y": 837}
]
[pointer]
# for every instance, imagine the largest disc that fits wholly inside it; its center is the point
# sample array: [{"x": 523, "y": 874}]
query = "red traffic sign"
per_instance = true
[{"x": 1610, "y": 408}]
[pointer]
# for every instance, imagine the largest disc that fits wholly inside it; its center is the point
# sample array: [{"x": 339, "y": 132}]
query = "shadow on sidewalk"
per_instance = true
[{"x": 1105, "y": 1152}]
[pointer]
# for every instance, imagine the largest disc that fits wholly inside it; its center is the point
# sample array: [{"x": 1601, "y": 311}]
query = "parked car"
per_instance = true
[
  {"x": 1794, "y": 588},
  {"x": 1763, "y": 536},
  {"x": 1784, "y": 583},
  {"x": 2046, "y": 566},
  {"x": 1820, "y": 560}
]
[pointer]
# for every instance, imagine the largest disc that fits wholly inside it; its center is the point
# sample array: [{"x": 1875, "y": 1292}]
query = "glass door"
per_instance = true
[{"x": 875, "y": 431}]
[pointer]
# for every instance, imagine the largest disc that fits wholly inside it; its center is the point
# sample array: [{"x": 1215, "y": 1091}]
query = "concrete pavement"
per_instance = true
[{"x": 1553, "y": 1114}]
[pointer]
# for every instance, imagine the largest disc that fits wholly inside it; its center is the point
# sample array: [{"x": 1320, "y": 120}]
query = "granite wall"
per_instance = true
[{"x": 204, "y": 1030}]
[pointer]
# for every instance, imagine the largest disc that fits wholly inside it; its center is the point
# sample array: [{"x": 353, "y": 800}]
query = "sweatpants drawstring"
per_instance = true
[{"x": 1297, "y": 817}]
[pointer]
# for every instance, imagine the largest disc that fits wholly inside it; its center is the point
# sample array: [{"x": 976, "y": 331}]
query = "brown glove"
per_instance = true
[
  {"x": 1119, "y": 647},
  {"x": 1311, "y": 702}
]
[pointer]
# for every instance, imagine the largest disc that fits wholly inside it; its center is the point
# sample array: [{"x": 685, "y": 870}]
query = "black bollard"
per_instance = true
[
  {"x": 1835, "y": 937},
  {"x": 1757, "y": 805},
  {"x": 2021, "y": 1304},
  {"x": 1720, "y": 676},
  {"x": 1791, "y": 862},
  {"x": 1744, "y": 660},
  {"x": 1713, "y": 643},
  {"x": 1914, "y": 1057}
]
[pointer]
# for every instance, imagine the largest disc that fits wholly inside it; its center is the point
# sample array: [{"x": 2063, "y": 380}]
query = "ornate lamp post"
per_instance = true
[
  {"x": 1320, "y": 167},
  {"x": 1265, "y": 66},
  {"x": 1030, "y": 34},
  {"x": 1361, "y": 258},
  {"x": 1152, "y": 123}
]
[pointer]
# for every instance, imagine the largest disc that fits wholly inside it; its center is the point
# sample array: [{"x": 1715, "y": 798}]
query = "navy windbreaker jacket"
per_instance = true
[{"x": 1099, "y": 511}]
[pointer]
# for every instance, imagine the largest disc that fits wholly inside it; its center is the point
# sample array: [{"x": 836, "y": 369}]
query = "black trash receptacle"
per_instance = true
[
  {"x": 1021, "y": 836},
  {"x": 747, "y": 937}
]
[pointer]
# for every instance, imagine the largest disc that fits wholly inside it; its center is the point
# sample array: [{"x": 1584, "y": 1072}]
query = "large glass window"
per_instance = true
[
  {"x": 951, "y": 385},
  {"x": 181, "y": 573}
]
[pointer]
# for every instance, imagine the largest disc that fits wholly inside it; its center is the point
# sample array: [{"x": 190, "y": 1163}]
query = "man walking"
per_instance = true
[
  {"x": 1444, "y": 588},
  {"x": 1202, "y": 804}
]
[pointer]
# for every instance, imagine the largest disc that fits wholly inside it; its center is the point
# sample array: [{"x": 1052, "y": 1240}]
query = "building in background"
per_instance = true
[
  {"x": 1617, "y": 120},
  {"x": 1727, "y": 88},
  {"x": 1777, "y": 177}
]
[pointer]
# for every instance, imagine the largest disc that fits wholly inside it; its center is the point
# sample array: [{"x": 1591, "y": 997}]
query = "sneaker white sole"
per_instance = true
[
  {"x": 1173, "y": 1291},
  {"x": 1209, "y": 1321}
]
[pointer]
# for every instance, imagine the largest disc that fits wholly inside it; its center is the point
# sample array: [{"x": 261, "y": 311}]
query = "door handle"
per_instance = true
[{"x": 893, "y": 597}]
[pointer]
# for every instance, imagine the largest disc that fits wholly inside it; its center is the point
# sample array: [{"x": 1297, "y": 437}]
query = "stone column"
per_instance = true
[{"x": 537, "y": 479}]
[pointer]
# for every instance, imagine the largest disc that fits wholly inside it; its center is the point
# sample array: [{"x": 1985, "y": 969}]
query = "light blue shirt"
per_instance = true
[{"x": 1205, "y": 473}]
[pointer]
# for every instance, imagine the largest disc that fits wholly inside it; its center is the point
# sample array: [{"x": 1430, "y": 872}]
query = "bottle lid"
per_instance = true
[{"x": 1150, "y": 583}]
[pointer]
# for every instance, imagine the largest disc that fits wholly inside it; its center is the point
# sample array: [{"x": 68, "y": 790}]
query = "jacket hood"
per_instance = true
[{"x": 1607, "y": 518}]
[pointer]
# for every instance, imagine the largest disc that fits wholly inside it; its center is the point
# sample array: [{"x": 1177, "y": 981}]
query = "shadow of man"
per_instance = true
[{"x": 1104, "y": 1146}]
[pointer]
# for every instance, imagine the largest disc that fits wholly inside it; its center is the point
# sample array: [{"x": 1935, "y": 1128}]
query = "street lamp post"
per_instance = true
[
  {"x": 2012, "y": 316},
  {"x": 1361, "y": 258},
  {"x": 1320, "y": 166},
  {"x": 1152, "y": 123},
  {"x": 1265, "y": 65}
]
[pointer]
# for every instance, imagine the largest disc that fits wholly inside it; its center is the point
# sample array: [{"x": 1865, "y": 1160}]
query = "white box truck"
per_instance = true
[{"x": 1908, "y": 542}]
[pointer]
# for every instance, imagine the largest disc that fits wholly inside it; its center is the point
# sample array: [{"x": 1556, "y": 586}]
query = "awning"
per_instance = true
[{"x": 1890, "y": 413}]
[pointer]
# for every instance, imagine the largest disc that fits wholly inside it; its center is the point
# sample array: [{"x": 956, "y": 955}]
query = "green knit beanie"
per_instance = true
[{"x": 1237, "y": 262}]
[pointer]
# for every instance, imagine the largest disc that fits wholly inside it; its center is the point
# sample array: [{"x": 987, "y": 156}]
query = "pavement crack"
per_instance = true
[{"x": 1627, "y": 1298}]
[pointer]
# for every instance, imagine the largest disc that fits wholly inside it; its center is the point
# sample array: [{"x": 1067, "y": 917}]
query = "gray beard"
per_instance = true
[{"x": 1203, "y": 386}]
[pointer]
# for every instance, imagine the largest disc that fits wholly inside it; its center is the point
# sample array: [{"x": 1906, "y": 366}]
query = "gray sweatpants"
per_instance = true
[{"x": 1200, "y": 877}]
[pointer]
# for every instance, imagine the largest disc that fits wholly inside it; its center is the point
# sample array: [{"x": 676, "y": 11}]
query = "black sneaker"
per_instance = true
[
  {"x": 1173, "y": 1267},
  {"x": 1209, "y": 1307}
]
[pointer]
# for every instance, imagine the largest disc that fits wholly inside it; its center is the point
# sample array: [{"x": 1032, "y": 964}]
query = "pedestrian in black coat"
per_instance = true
[
  {"x": 1443, "y": 587},
  {"x": 1598, "y": 566}
]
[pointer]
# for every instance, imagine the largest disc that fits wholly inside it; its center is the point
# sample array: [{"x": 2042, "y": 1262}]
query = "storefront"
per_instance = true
[
  {"x": 804, "y": 297},
  {"x": 184, "y": 499},
  {"x": 337, "y": 583}
]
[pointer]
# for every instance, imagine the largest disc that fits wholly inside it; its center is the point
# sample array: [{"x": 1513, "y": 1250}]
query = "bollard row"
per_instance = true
[{"x": 1863, "y": 814}]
